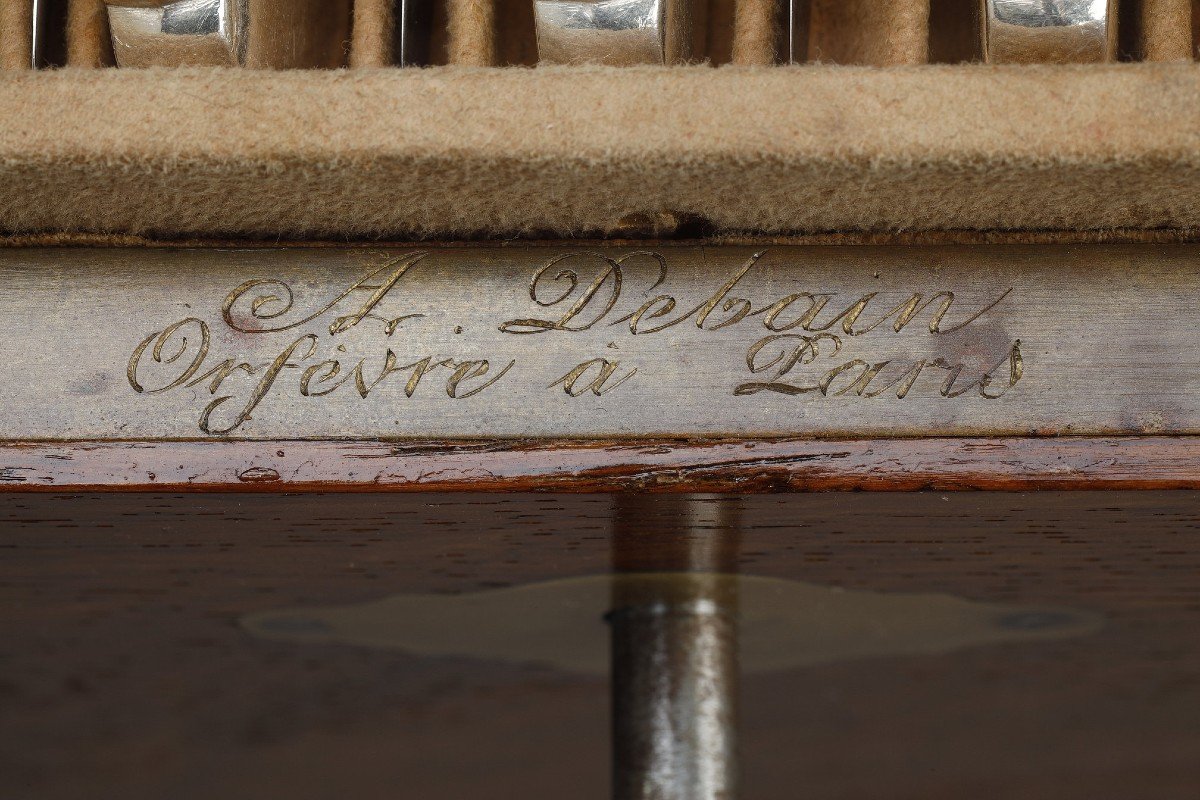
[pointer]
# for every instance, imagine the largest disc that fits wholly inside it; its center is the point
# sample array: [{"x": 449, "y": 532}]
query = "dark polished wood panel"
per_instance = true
[{"x": 124, "y": 673}]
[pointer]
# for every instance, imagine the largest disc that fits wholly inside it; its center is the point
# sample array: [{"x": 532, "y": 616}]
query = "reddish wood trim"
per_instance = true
[{"x": 696, "y": 466}]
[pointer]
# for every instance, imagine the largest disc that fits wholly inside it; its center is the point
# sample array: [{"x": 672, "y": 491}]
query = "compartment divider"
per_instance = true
[
  {"x": 16, "y": 28},
  {"x": 756, "y": 31},
  {"x": 1166, "y": 30},
  {"x": 878, "y": 33},
  {"x": 471, "y": 33},
  {"x": 484, "y": 33},
  {"x": 88, "y": 44},
  {"x": 372, "y": 36}
]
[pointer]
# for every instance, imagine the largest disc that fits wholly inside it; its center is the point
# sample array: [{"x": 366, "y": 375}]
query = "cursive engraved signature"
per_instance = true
[
  {"x": 259, "y": 307},
  {"x": 816, "y": 343},
  {"x": 862, "y": 378},
  {"x": 586, "y": 304}
]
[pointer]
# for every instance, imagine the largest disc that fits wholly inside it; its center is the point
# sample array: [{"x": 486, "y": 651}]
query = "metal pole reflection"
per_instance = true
[
  {"x": 794, "y": 49},
  {"x": 674, "y": 649},
  {"x": 414, "y": 26}
]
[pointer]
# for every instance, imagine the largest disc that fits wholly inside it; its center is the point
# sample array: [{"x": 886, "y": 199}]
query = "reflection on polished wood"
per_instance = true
[{"x": 126, "y": 672}]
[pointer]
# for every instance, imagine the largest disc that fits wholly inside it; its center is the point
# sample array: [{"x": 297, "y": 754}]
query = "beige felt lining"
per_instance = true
[
  {"x": 1166, "y": 30},
  {"x": 870, "y": 32},
  {"x": 330, "y": 50},
  {"x": 88, "y": 43},
  {"x": 460, "y": 152},
  {"x": 448, "y": 152},
  {"x": 471, "y": 33},
  {"x": 372, "y": 38},
  {"x": 756, "y": 31},
  {"x": 16, "y": 24},
  {"x": 875, "y": 32}
]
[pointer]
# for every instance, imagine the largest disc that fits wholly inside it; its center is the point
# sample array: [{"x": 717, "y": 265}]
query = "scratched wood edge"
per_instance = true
[
  {"x": 1049, "y": 236},
  {"x": 778, "y": 465}
]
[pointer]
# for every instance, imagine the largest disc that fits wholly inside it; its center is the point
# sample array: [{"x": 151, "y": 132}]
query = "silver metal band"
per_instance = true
[
  {"x": 299, "y": 34},
  {"x": 1049, "y": 31},
  {"x": 613, "y": 32}
]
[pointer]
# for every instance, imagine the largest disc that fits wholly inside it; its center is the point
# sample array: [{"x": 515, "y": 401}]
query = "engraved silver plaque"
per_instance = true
[{"x": 428, "y": 343}]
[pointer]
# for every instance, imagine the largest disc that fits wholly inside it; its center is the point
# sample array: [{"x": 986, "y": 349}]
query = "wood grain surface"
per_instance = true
[
  {"x": 124, "y": 673},
  {"x": 592, "y": 466}
]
